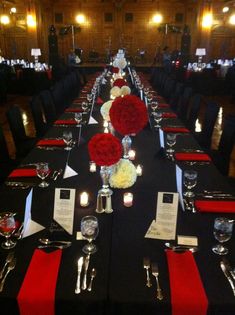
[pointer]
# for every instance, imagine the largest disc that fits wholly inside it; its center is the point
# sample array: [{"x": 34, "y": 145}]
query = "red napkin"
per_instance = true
[
  {"x": 175, "y": 129},
  {"x": 227, "y": 206},
  {"x": 37, "y": 292},
  {"x": 78, "y": 101},
  {"x": 66, "y": 122},
  {"x": 99, "y": 101},
  {"x": 163, "y": 105},
  {"x": 192, "y": 157},
  {"x": 169, "y": 115},
  {"x": 187, "y": 292},
  {"x": 51, "y": 142},
  {"x": 74, "y": 110},
  {"x": 49, "y": 74},
  {"x": 23, "y": 172}
]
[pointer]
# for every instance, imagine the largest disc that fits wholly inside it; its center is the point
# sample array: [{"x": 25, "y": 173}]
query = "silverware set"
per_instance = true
[
  {"x": 152, "y": 269},
  {"x": 189, "y": 204},
  {"x": 82, "y": 270},
  {"x": 46, "y": 243},
  {"x": 181, "y": 248},
  {"x": 228, "y": 273},
  {"x": 9, "y": 265}
]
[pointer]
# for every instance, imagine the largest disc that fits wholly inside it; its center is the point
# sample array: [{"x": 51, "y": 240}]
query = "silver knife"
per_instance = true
[
  {"x": 227, "y": 275},
  {"x": 86, "y": 265},
  {"x": 80, "y": 264},
  {"x": 229, "y": 268}
]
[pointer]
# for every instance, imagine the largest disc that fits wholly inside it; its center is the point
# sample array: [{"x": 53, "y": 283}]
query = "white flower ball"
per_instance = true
[
  {"x": 124, "y": 176},
  {"x": 125, "y": 90},
  {"x": 115, "y": 92},
  {"x": 104, "y": 110}
]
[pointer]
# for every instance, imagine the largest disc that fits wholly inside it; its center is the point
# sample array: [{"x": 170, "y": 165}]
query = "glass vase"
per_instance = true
[
  {"x": 105, "y": 172},
  {"x": 126, "y": 144}
]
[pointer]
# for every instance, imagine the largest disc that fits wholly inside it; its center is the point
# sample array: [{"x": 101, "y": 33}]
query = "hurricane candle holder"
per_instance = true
[{"x": 126, "y": 144}]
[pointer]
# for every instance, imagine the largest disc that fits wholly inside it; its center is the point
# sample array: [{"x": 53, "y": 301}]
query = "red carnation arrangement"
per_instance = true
[
  {"x": 128, "y": 115},
  {"x": 105, "y": 149},
  {"x": 115, "y": 69},
  {"x": 120, "y": 83}
]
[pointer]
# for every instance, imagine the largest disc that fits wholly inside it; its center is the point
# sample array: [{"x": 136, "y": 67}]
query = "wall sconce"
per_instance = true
[
  {"x": 80, "y": 19},
  {"x": 4, "y": 19},
  {"x": 31, "y": 22},
  {"x": 225, "y": 9},
  {"x": 207, "y": 20},
  {"x": 157, "y": 18},
  {"x": 13, "y": 10},
  {"x": 232, "y": 19}
]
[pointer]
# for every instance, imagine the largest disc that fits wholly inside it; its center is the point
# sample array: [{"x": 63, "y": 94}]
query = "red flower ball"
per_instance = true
[
  {"x": 119, "y": 83},
  {"x": 105, "y": 149},
  {"x": 115, "y": 69},
  {"x": 128, "y": 114}
]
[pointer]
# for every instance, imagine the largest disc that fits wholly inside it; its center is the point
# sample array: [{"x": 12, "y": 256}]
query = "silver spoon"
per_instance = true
[
  {"x": 46, "y": 241},
  {"x": 93, "y": 275}
]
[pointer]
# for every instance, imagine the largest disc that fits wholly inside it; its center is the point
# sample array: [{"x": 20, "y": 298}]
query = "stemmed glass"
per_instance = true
[
  {"x": 7, "y": 228},
  {"x": 154, "y": 106},
  {"x": 157, "y": 117},
  {"x": 85, "y": 106},
  {"x": 43, "y": 171},
  {"x": 171, "y": 141},
  {"x": 89, "y": 97},
  {"x": 190, "y": 181},
  {"x": 223, "y": 228},
  {"x": 89, "y": 230},
  {"x": 68, "y": 137},
  {"x": 78, "y": 117}
]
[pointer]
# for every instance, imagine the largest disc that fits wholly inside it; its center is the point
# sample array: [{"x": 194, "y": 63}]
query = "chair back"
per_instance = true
[
  {"x": 212, "y": 110},
  {"x": 227, "y": 139},
  {"x": 48, "y": 106},
  {"x": 194, "y": 111},
  {"x": 38, "y": 116},
  {"x": 4, "y": 154},
  {"x": 15, "y": 121},
  {"x": 183, "y": 103}
]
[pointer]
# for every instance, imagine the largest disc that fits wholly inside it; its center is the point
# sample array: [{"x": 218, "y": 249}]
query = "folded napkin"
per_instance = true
[
  {"x": 163, "y": 105},
  {"x": 65, "y": 122},
  {"x": 23, "y": 172},
  {"x": 78, "y": 101},
  {"x": 192, "y": 157},
  {"x": 99, "y": 101},
  {"x": 175, "y": 129},
  {"x": 37, "y": 292},
  {"x": 74, "y": 110},
  {"x": 187, "y": 292},
  {"x": 169, "y": 115},
  {"x": 226, "y": 206},
  {"x": 51, "y": 142}
]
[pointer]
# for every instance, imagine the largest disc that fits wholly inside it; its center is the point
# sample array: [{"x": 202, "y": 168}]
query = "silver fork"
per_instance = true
[
  {"x": 155, "y": 273},
  {"x": 10, "y": 267},
  {"x": 147, "y": 267}
]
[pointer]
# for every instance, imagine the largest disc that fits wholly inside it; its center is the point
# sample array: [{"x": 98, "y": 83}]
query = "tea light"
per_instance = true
[
  {"x": 92, "y": 167},
  {"x": 131, "y": 155},
  {"x": 139, "y": 170},
  {"x": 84, "y": 199},
  {"x": 106, "y": 130},
  {"x": 105, "y": 124},
  {"x": 128, "y": 199}
]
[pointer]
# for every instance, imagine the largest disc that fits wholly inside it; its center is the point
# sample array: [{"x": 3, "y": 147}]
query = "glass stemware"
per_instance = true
[
  {"x": 78, "y": 117},
  {"x": 157, "y": 117},
  {"x": 223, "y": 228},
  {"x": 68, "y": 137},
  {"x": 154, "y": 106},
  {"x": 7, "y": 228},
  {"x": 89, "y": 97},
  {"x": 89, "y": 230},
  {"x": 43, "y": 171},
  {"x": 190, "y": 181},
  {"x": 171, "y": 141},
  {"x": 85, "y": 106}
]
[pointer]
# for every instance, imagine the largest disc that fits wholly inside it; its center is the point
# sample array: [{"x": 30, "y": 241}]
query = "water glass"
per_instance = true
[
  {"x": 89, "y": 230},
  {"x": 157, "y": 117},
  {"x": 171, "y": 141},
  {"x": 190, "y": 181},
  {"x": 7, "y": 228},
  {"x": 223, "y": 228},
  {"x": 43, "y": 171},
  {"x": 78, "y": 117},
  {"x": 68, "y": 137},
  {"x": 154, "y": 106}
]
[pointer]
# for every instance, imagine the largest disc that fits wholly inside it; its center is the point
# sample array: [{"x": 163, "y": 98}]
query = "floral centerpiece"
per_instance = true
[
  {"x": 124, "y": 175},
  {"x": 115, "y": 92},
  {"x": 125, "y": 90},
  {"x": 104, "y": 110}
]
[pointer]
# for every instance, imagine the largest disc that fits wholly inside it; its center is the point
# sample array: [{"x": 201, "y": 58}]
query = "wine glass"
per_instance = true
[
  {"x": 7, "y": 228},
  {"x": 89, "y": 230},
  {"x": 171, "y": 141},
  {"x": 223, "y": 228},
  {"x": 43, "y": 171},
  {"x": 154, "y": 106},
  {"x": 68, "y": 137},
  {"x": 89, "y": 97},
  {"x": 157, "y": 117},
  {"x": 190, "y": 181},
  {"x": 85, "y": 106},
  {"x": 78, "y": 117}
]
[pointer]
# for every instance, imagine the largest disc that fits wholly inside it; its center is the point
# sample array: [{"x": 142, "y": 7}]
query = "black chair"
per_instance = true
[
  {"x": 183, "y": 103},
  {"x": 23, "y": 143},
  {"x": 48, "y": 106},
  {"x": 193, "y": 111},
  {"x": 204, "y": 137},
  {"x": 176, "y": 95},
  {"x": 38, "y": 116},
  {"x": 221, "y": 157}
]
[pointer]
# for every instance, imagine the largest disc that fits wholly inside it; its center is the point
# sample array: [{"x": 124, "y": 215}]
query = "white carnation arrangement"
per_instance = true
[
  {"x": 104, "y": 110},
  {"x": 125, "y": 90},
  {"x": 124, "y": 175},
  {"x": 115, "y": 92}
]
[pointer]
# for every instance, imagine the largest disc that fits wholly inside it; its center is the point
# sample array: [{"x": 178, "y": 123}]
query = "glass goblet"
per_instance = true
[
  {"x": 7, "y": 228},
  {"x": 190, "y": 181},
  {"x": 68, "y": 137},
  {"x": 154, "y": 106},
  {"x": 223, "y": 229},
  {"x": 89, "y": 97},
  {"x": 85, "y": 106},
  {"x": 171, "y": 141},
  {"x": 157, "y": 117},
  {"x": 43, "y": 171},
  {"x": 89, "y": 230},
  {"x": 78, "y": 117}
]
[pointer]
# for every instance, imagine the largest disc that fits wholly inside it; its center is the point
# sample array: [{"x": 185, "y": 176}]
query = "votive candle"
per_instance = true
[
  {"x": 84, "y": 199},
  {"x": 131, "y": 155},
  {"x": 139, "y": 170},
  {"x": 128, "y": 199},
  {"x": 92, "y": 167}
]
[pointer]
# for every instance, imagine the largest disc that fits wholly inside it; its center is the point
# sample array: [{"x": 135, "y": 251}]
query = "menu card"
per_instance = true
[
  {"x": 64, "y": 208},
  {"x": 164, "y": 227}
]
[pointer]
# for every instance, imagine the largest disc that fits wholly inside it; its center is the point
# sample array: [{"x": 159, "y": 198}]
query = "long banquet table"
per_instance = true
[{"x": 119, "y": 287}]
